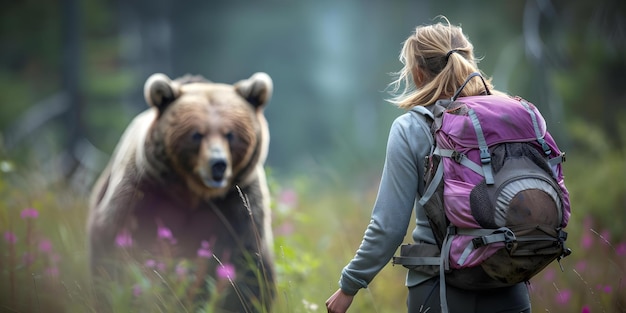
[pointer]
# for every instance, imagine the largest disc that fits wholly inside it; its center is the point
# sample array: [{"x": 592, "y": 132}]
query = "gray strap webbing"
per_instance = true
[
  {"x": 444, "y": 265},
  {"x": 556, "y": 160},
  {"x": 424, "y": 260},
  {"x": 544, "y": 145},
  {"x": 432, "y": 187},
  {"x": 488, "y": 236},
  {"x": 540, "y": 140},
  {"x": 460, "y": 158},
  {"x": 485, "y": 156}
]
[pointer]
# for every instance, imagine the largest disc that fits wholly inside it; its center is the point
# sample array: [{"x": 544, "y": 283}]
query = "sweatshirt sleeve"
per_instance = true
[{"x": 393, "y": 206}]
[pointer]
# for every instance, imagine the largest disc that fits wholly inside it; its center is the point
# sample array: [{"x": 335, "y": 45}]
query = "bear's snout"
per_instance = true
[
  {"x": 215, "y": 166},
  {"x": 218, "y": 168}
]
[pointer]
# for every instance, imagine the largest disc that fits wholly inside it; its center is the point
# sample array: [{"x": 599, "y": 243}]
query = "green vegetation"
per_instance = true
[
  {"x": 317, "y": 228},
  {"x": 71, "y": 76}
]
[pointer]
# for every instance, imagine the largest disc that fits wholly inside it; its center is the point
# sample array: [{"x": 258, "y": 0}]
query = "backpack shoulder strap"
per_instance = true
[{"x": 433, "y": 113}]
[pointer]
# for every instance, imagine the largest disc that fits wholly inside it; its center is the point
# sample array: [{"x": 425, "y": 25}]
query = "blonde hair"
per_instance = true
[{"x": 445, "y": 58}]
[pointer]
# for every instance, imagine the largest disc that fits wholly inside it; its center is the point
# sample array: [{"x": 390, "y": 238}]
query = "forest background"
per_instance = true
[{"x": 71, "y": 78}]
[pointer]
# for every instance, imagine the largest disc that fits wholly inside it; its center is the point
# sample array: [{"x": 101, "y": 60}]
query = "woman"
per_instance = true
[{"x": 437, "y": 59}]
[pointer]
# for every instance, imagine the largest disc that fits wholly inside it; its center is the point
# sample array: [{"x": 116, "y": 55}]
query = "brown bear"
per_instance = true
[{"x": 190, "y": 171}]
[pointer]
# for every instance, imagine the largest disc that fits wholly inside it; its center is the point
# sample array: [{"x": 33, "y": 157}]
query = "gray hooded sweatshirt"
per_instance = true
[{"x": 401, "y": 186}]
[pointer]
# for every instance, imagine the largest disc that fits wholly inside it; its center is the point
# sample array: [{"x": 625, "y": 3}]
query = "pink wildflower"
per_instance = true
[
  {"x": 605, "y": 288},
  {"x": 181, "y": 270},
  {"x": 585, "y": 309},
  {"x": 165, "y": 233},
  {"x": 150, "y": 263},
  {"x": 10, "y": 237},
  {"x": 226, "y": 271},
  {"x": 52, "y": 271},
  {"x": 564, "y": 296},
  {"x": 137, "y": 290},
  {"x": 45, "y": 246},
  {"x": 288, "y": 197},
  {"x": 29, "y": 213},
  {"x": 205, "y": 251},
  {"x": 124, "y": 239},
  {"x": 55, "y": 258},
  {"x": 161, "y": 266},
  {"x": 28, "y": 258},
  {"x": 586, "y": 241},
  {"x": 285, "y": 229},
  {"x": 548, "y": 274}
]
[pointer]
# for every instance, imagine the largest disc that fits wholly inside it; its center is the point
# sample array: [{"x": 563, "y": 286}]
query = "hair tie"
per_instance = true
[{"x": 451, "y": 52}]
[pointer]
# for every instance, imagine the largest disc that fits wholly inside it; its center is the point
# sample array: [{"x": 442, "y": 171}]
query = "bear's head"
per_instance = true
[{"x": 211, "y": 135}]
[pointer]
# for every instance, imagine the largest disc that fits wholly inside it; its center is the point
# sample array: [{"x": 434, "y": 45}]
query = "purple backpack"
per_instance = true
[{"x": 495, "y": 196}]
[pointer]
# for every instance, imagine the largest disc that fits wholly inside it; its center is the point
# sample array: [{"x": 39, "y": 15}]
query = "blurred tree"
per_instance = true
[{"x": 330, "y": 63}]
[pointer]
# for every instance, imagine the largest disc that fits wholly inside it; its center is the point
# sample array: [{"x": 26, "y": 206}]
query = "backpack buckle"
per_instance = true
[
  {"x": 510, "y": 241},
  {"x": 485, "y": 156},
  {"x": 478, "y": 242},
  {"x": 457, "y": 156}
]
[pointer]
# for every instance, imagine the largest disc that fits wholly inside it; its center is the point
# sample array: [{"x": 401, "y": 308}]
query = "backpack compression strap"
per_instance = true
[
  {"x": 546, "y": 149},
  {"x": 485, "y": 157}
]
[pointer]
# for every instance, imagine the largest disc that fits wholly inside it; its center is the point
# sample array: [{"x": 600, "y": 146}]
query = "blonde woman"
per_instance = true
[{"x": 437, "y": 59}]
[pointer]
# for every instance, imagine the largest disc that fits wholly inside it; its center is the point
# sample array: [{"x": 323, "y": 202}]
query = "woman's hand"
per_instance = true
[{"x": 339, "y": 302}]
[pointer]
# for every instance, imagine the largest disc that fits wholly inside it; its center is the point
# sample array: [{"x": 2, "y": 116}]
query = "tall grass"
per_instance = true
[{"x": 317, "y": 228}]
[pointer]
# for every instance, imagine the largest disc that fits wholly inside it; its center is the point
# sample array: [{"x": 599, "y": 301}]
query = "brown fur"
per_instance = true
[{"x": 163, "y": 172}]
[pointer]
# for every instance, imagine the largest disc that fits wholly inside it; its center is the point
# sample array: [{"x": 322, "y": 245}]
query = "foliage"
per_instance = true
[
  {"x": 327, "y": 126},
  {"x": 318, "y": 223}
]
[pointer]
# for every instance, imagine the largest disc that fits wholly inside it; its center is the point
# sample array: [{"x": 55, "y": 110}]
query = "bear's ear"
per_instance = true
[
  {"x": 257, "y": 89},
  {"x": 160, "y": 91}
]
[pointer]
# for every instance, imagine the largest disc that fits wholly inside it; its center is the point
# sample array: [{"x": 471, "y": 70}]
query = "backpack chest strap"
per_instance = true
[{"x": 461, "y": 159}]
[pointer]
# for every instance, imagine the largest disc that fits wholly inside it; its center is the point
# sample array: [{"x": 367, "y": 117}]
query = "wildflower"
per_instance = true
[
  {"x": 10, "y": 237},
  {"x": 605, "y": 288},
  {"x": 45, "y": 246},
  {"x": 285, "y": 229},
  {"x": 52, "y": 271},
  {"x": 585, "y": 309},
  {"x": 621, "y": 249},
  {"x": 226, "y": 271},
  {"x": 124, "y": 239},
  {"x": 137, "y": 290},
  {"x": 55, "y": 258},
  {"x": 581, "y": 266},
  {"x": 205, "y": 251},
  {"x": 564, "y": 296},
  {"x": 587, "y": 239},
  {"x": 150, "y": 263},
  {"x": 28, "y": 258},
  {"x": 548, "y": 274},
  {"x": 165, "y": 233},
  {"x": 181, "y": 270},
  {"x": 288, "y": 197},
  {"x": 161, "y": 266},
  {"x": 29, "y": 213}
]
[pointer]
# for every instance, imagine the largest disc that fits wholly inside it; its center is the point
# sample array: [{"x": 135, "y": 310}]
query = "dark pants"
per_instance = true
[{"x": 424, "y": 298}]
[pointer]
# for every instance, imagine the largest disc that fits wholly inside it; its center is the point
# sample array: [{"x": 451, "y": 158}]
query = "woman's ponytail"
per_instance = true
[{"x": 444, "y": 57}]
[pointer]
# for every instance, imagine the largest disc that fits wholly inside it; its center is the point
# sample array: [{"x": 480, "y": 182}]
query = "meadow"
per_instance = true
[{"x": 318, "y": 223}]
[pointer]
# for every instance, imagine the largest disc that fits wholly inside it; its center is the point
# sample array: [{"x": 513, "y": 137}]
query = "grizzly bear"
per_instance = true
[{"x": 187, "y": 181}]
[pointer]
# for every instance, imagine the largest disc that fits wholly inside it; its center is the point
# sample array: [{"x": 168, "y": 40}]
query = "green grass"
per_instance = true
[{"x": 317, "y": 230}]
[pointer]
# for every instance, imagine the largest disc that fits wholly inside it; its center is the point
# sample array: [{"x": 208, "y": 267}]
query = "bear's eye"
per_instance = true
[
  {"x": 230, "y": 136},
  {"x": 196, "y": 136}
]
